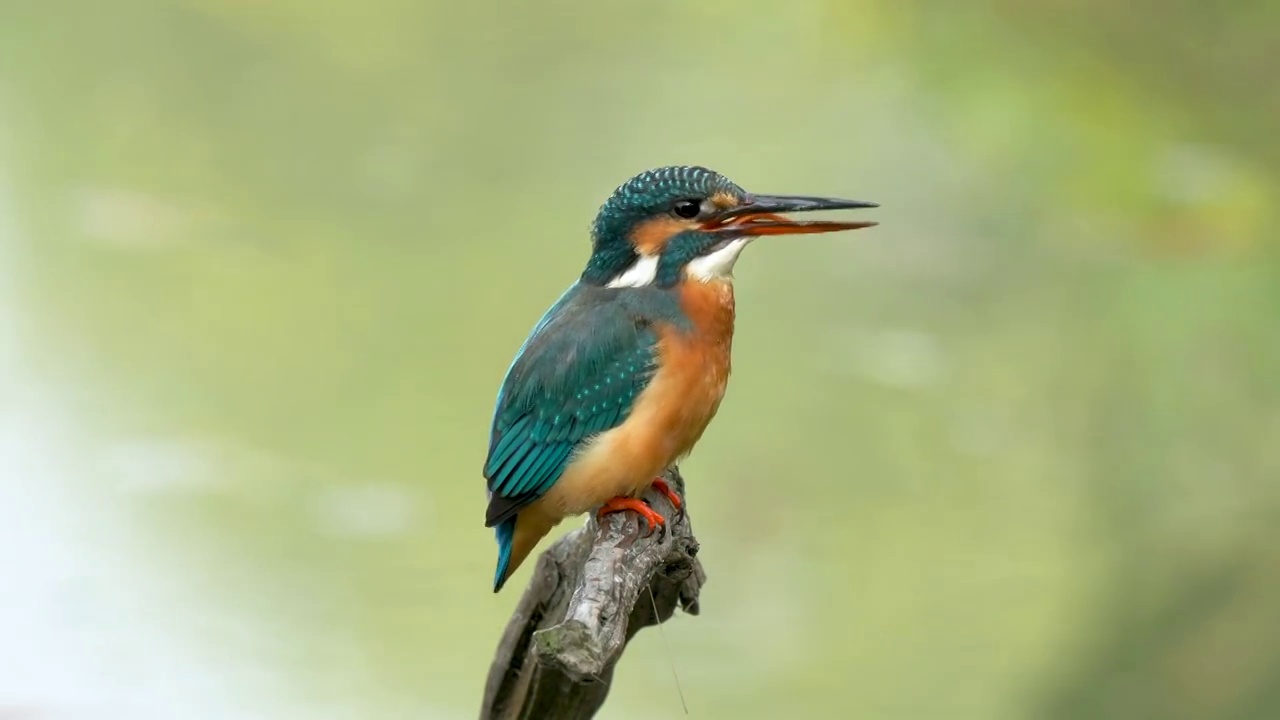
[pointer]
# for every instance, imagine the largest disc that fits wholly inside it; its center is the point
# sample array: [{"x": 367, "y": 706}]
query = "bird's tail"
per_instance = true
[
  {"x": 517, "y": 537},
  {"x": 506, "y": 533}
]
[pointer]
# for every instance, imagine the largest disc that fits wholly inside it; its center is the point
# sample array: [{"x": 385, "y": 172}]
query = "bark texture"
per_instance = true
[{"x": 588, "y": 596}]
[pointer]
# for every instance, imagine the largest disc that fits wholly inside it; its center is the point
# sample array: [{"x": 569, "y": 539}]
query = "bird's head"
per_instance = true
[{"x": 679, "y": 222}]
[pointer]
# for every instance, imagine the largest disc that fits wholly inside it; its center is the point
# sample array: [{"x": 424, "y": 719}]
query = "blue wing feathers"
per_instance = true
[
  {"x": 528, "y": 478},
  {"x": 578, "y": 374},
  {"x": 508, "y": 445},
  {"x": 516, "y": 480},
  {"x": 553, "y": 458}
]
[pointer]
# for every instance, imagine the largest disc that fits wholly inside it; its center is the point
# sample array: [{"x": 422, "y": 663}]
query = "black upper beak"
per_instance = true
[
  {"x": 762, "y": 215},
  {"x": 760, "y": 204}
]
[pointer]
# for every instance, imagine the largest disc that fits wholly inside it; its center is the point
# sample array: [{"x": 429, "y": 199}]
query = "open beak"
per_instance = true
[{"x": 762, "y": 215}]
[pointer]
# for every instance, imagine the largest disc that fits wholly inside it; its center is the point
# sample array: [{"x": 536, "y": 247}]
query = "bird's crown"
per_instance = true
[{"x": 655, "y": 191}]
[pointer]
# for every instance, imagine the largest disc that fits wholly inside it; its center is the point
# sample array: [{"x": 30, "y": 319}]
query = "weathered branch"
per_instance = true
[{"x": 589, "y": 595}]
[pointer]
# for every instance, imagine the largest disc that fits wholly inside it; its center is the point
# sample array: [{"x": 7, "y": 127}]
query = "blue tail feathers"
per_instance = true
[{"x": 506, "y": 533}]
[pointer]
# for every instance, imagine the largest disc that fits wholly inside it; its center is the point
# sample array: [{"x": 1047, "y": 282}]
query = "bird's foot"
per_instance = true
[
  {"x": 651, "y": 518},
  {"x": 661, "y": 486}
]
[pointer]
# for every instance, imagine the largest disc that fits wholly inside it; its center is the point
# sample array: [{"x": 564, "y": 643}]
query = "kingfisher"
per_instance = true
[{"x": 621, "y": 376}]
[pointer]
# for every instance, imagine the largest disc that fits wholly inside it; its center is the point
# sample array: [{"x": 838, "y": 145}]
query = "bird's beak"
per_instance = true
[{"x": 762, "y": 215}]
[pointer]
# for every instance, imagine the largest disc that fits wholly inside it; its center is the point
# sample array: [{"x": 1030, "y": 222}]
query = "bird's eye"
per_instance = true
[{"x": 687, "y": 209}]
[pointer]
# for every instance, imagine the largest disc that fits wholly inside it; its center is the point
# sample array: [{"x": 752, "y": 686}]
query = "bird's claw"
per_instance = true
[
  {"x": 661, "y": 486},
  {"x": 651, "y": 518}
]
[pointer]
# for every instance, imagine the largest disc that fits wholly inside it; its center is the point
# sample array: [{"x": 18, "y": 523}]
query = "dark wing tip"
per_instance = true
[{"x": 502, "y": 508}]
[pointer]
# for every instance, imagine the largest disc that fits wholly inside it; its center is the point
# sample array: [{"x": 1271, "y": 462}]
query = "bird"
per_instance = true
[{"x": 621, "y": 376}]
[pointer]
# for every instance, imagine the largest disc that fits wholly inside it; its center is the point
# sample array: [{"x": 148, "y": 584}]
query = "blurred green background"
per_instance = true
[{"x": 1012, "y": 454}]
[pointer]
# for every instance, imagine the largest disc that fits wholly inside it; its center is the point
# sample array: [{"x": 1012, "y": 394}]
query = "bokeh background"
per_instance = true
[{"x": 1015, "y": 453}]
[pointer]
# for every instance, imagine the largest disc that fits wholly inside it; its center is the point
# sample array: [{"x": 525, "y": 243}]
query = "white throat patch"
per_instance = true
[
  {"x": 640, "y": 274},
  {"x": 719, "y": 264}
]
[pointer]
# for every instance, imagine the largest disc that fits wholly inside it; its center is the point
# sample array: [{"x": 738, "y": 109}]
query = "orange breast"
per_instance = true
[
  {"x": 669, "y": 417},
  {"x": 695, "y": 365}
]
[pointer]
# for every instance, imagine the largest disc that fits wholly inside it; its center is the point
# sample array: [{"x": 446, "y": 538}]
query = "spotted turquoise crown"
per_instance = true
[{"x": 648, "y": 194}]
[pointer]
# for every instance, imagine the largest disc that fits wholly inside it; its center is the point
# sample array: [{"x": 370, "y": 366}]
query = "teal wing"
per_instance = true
[{"x": 578, "y": 374}]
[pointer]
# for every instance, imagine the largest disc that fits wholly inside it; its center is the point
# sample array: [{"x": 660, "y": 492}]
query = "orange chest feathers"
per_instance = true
[{"x": 694, "y": 364}]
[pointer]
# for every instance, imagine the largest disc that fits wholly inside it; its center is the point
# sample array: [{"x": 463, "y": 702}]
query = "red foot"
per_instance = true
[
  {"x": 661, "y": 486},
  {"x": 619, "y": 504}
]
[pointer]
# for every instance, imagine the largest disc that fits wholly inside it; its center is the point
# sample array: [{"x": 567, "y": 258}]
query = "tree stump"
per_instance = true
[{"x": 588, "y": 596}]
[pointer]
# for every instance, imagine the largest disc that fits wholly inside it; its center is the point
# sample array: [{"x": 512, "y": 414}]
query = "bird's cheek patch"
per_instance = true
[{"x": 650, "y": 236}]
